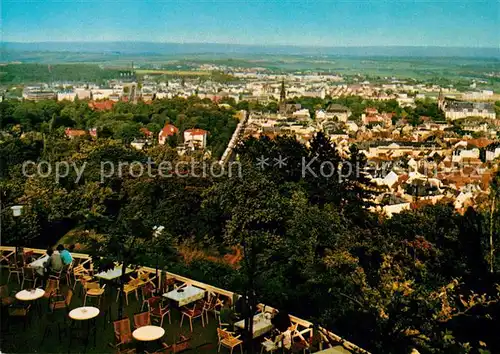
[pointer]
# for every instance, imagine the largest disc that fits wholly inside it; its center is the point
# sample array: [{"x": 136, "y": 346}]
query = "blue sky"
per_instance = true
[{"x": 468, "y": 23}]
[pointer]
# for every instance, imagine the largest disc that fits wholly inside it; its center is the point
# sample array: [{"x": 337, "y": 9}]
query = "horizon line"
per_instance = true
[{"x": 258, "y": 45}]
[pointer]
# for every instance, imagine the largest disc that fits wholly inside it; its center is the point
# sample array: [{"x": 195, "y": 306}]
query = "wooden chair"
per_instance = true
[
  {"x": 131, "y": 287},
  {"x": 20, "y": 311},
  {"x": 58, "y": 302},
  {"x": 7, "y": 300},
  {"x": 123, "y": 336},
  {"x": 93, "y": 290},
  {"x": 212, "y": 305},
  {"x": 169, "y": 282},
  {"x": 146, "y": 292},
  {"x": 14, "y": 268},
  {"x": 80, "y": 275},
  {"x": 66, "y": 272},
  {"x": 157, "y": 310},
  {"x": 222, "y": 325},
  {"x": 269, "y": 345},
  {"x": 142, "y": 319},
  {"x": 226, "y": 339},
  {"x": 56, "y": 274},
  {"x": 52, "y": 286},
  {"x": 29, "y": 275},
  {"x": 195, "y": 312}
]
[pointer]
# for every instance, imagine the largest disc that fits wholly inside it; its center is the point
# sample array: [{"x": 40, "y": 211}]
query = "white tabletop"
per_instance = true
[
  {"x": 84, "y": 313},
  {"x": 148, "y": 333},
  {"x": 261, "y": 325},
  {"x": 187, "y": 295},
  {"x": 26, "y": 295},
  {"x": 114, "y": 273},
  {"x": 39, "y": 262}
]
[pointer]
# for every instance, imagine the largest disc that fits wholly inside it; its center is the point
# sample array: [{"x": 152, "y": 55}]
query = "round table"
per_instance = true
[
  {"x": 84, "y": 313},
  {"x": 148, "y": 333},
  {"x": 27, "y": 295}
]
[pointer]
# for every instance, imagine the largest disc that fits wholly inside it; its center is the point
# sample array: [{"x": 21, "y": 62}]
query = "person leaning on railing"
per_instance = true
[
  {"x": 65, "y": 255},
  {"x": 53, "y": 264}
]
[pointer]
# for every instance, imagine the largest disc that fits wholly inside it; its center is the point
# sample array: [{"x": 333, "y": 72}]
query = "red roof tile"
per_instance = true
[
  {"x": 169, "y": 130},
  {"x": 196, "y": 131},
  {"x": 102, "y": 105}
]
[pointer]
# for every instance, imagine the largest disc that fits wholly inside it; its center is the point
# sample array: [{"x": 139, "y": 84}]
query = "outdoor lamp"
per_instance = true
[
  {"x": 157, "y": 230},
  {"x": 17, "y": 210}
]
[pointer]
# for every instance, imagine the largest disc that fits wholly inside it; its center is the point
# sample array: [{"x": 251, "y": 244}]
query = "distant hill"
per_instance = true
[{"x": 150, "y": 48}]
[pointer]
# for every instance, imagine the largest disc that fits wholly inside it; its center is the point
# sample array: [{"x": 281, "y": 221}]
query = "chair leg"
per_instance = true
[
  {"x": 218, "y": 350},
  {"x": 191, "y": 323},
  {"x": 241, "y": 348},
  {"x": 182, "y": 319},
  {"x": 169, "y": 320},
  {"x": 117, "y": 295},
  {"x": 232, "y": 350}
]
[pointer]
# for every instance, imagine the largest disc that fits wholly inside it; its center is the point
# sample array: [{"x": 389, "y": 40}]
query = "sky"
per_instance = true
[{"x": 451, "y": 23}]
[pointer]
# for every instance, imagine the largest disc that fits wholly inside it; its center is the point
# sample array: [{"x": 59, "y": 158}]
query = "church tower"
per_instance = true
[
  {"x": 282, "y": 106},
  {"x": 441, "y": 101},
  {"x": 283, "y": 92}
]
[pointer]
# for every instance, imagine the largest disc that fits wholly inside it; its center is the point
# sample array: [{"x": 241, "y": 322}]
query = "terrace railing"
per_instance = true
[{"x": 304, "y": 328}]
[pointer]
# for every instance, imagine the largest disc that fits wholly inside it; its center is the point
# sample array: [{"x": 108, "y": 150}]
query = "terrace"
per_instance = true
[{"x": 31, "y": 325}]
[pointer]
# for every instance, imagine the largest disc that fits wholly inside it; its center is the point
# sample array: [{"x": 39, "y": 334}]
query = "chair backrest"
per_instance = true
[
  {"x": 29, "y": 273},
  {"x": 52, "y": 284},
  {"x": 123, "y": 334},
  {"x": 134, "y": 282},
  {"x": 4, "y": 291},
  {"x": 223, "y": 334},
  {"x": 142, "y": 319},
  {"x": 199, "y": 305},
  {"x": 154, "y": 302},
  {"x": 91, "y": 285},
  {"x": 13, "y": 263},
  {"x": 79, "y": 270},
  {"x": 147, "y": 290}
]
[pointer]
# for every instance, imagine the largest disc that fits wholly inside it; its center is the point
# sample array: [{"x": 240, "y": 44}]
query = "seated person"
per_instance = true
[
  {"x": 54, "y": 263},
  {"x": 65, "y": 255}
]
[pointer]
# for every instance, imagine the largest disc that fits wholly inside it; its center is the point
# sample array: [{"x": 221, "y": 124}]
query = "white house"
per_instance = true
[
  {"x": 68, "y": 96},
  {"x": 195, "y": 138}
]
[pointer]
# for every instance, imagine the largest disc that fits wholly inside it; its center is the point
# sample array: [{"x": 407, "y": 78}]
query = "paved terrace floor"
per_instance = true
[{"x": 15, "y": 339}]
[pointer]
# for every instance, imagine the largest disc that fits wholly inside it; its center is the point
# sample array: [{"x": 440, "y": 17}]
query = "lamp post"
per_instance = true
[
  {"x": 17, "y": 211},
  {"x": 157, "y": 232}
]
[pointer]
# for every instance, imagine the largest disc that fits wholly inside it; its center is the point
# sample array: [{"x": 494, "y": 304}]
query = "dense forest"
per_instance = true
[{"x": 425, "y": 279}]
